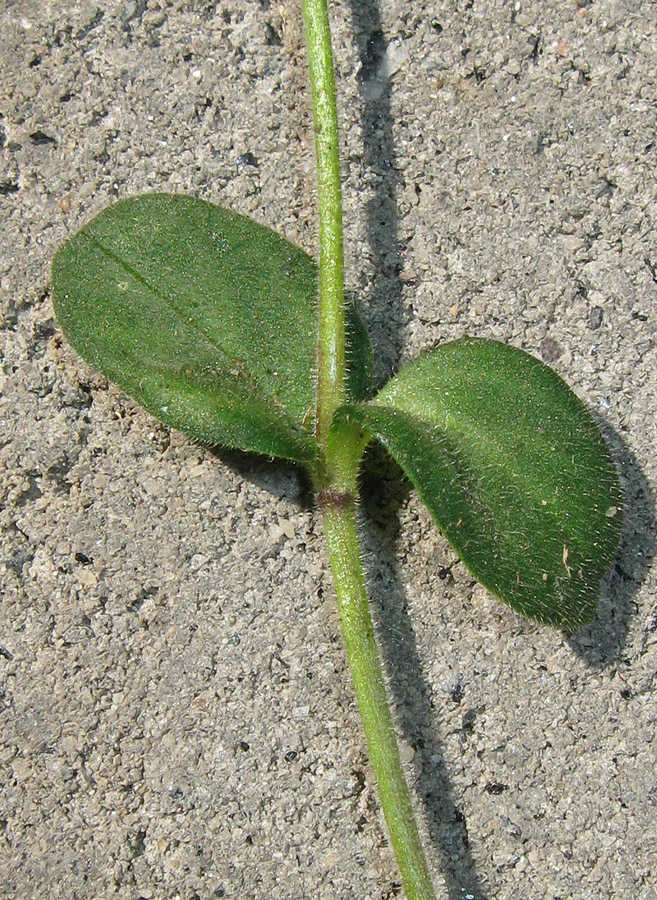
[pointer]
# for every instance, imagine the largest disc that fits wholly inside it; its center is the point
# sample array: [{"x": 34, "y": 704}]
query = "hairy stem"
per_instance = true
[
  {"x": 341, "y": 536},
  {"x": 336, "y": 480},
  {"x": 331, "y": 350}
]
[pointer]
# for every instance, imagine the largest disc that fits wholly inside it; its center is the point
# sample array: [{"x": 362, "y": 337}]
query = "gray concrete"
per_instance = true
[{"x": 176, "y": 717}]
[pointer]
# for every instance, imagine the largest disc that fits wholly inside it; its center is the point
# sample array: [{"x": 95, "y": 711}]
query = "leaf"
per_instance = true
[
  {"x": 206, "y": 318},
  {"x": 513, "y": 469}
]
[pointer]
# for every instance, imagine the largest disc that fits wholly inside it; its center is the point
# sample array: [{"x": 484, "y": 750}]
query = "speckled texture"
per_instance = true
[{"x": 176, "y": 719}]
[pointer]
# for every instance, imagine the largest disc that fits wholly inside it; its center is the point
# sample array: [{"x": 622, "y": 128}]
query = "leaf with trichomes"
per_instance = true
[
  {"x": 208, "y": 319},
  {"x": 513, "y": 469}
]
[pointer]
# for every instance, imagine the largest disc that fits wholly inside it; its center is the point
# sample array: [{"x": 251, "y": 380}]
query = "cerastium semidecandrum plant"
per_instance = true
[{"x": 226, "y": 331}]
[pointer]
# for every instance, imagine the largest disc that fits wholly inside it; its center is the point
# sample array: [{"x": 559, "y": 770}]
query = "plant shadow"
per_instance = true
[
  {"x": 411, "y": 694},
  {"x": 386, "y": 312},
  {"x": 284, "y": 480},
  {"x": 601, "y": 643}
]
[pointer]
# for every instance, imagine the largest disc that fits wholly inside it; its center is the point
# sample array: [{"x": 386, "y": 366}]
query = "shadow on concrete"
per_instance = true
[
  {"x": 386, "y": 311},
  {"x": 602, "y": 642},
  {"x": 282, "y": 479},
  {"x": 411, "y": 695}
]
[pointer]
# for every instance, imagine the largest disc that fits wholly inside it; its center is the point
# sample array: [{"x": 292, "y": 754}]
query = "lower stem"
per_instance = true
[{"x": 363, "y": 656}]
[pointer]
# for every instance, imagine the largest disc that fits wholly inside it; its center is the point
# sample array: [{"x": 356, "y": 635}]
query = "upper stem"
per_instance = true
[{"x": 331, "y": 351}]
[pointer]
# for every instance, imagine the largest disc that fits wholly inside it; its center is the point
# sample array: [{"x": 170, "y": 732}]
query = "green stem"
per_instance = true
[
  {"x": 345, "y": 448},
  {"x": 331, "y": 351},
  {"x": 342, "y": 539},
  {"x": 336, "y": 480}
]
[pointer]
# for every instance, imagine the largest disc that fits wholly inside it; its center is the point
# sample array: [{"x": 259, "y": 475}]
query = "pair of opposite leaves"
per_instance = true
[{"x": 210, "y": 322}]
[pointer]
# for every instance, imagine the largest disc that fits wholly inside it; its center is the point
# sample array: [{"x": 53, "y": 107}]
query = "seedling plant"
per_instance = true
[{"x": 224, "y": 330}]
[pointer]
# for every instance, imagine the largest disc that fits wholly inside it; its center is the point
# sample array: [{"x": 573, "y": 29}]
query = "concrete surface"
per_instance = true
[{"x": 176, "y": 718}]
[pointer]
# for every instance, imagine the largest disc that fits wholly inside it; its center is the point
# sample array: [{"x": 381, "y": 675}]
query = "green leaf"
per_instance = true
[
  {"x": 206, "y": 318},
  {"x": 513, "y": 469}
]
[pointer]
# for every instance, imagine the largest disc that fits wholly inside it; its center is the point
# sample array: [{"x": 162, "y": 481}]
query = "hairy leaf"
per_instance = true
[
  {"x": 513, "y": 469},
  {"x": 206, "y": 318}
]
